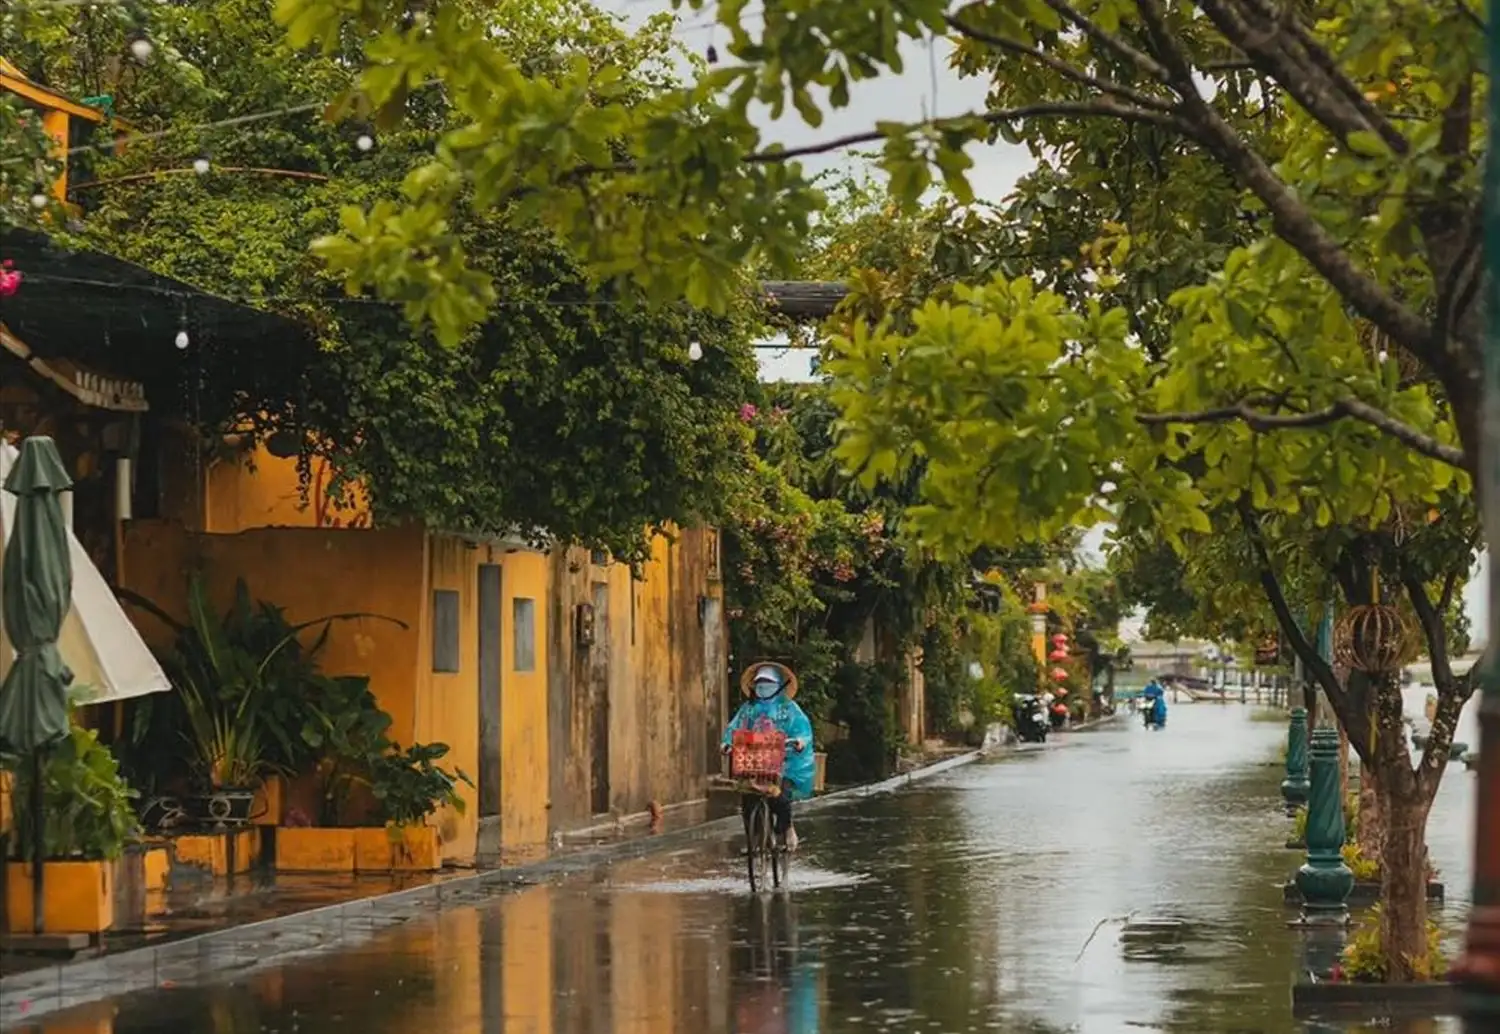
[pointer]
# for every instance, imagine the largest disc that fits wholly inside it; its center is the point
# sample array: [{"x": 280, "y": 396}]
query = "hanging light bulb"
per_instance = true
[
  {"x": 695, "y": 351},
  {"x": 141, "y": 48},
  {"x": 201, "y": 165},
  {"x": 1382, "y": 357},
  {"x": 182, "y": 340},
  {"x": 39, "y": 200},
  {"x": 364, "y": 141}
]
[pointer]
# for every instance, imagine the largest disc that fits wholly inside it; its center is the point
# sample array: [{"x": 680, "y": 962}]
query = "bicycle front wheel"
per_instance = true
[{"x": 760, "y": 844}]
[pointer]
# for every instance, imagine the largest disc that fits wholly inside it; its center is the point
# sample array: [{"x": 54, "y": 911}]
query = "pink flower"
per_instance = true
[
  {"x": 747, "y": 412},
  {"x": 10, "y": 279}
]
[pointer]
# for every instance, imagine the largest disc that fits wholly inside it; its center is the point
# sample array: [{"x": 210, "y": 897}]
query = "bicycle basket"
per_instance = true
[{"x": 757, "y": 755}]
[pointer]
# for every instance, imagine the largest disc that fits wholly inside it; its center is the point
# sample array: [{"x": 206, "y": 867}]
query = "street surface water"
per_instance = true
[{"x": 1013, "y": 896}]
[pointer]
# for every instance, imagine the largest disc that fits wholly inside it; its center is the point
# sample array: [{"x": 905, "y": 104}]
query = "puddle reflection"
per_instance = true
[{"x": 1127, "y": 885}]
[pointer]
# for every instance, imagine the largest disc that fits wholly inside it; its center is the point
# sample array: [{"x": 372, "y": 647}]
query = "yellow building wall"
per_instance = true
[
  {"x": 524, "y": 755},
  {"x": 658, "y": 673},
  {"x": 664, "y": 689},
  {"x": 446, "y": 702},
  {"x": 311, "y": 573},
  {"x": 254, "y": 489}
]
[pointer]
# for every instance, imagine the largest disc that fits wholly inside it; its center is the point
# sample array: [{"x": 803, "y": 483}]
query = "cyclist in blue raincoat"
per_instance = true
[
  {"x": 1156, "y": 700},
  {"x": 771, "y": 689}
]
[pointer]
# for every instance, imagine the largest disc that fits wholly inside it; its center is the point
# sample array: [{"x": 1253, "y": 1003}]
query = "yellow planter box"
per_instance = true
[
  {"x": 269, "y": 804},
  {"x": 211, "y": 851},
  {"x": 78, "y": 897},
  {"x": 397, "y": 849},
  {"x": 314, "y": 849},
  {"x": 158, "y": 863}
]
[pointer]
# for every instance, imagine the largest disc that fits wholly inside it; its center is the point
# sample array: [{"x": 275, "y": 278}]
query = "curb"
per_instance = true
[{"x": 251, "y": 946}]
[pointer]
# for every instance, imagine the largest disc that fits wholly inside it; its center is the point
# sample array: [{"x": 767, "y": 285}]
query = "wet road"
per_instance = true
[{"x": 991, "y": 900}]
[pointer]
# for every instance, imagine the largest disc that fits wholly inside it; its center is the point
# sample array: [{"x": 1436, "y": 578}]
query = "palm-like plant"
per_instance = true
[{"x": 222, "y": 687}]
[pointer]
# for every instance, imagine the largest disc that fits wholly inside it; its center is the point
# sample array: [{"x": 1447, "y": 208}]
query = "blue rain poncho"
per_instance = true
[
  {"x": 779, "y": 712},
  {"x": 1156, "y": 696}
]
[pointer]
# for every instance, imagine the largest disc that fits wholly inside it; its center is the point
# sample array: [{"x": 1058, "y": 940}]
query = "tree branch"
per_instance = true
[
  {"x": 1287, "y": 53},
  {"x": 1104, "y": 107},
  {"x": 1299, "y": 228},
  {"x": 1432, "y": 622},
  {"x": 1350, "y": 408},
  {"x": 1321, "y": 670},
  {"x": 1472, "y": 17},
  {"x": 1179, "y": 69},
  {"x": 1110, "y": 41},
  {"x": 1059, "y": 66}
]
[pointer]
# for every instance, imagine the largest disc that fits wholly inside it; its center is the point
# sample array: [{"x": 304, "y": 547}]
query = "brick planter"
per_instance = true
[
  {"x": 1353, "y": 1001},
  {"x": 358, "y": 849}
]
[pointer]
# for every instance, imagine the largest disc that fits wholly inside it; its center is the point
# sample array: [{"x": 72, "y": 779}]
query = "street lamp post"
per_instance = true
[
  {"x": 1294, "y": 788},
  {"x": 1325, "y": 881},
  {"x": 1479, "y": 969}
]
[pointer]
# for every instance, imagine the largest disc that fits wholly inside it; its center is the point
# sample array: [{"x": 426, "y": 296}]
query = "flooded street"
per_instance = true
[{"x": 994, "y": 899}]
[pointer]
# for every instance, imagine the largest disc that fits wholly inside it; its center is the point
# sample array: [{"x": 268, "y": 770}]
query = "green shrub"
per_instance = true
[
  {"x": 1364, "y": 959},
  {"x": 88, "y": 808},
  {"x": 1299, "y": 825},
  {"x": 1366, "y": 870}
]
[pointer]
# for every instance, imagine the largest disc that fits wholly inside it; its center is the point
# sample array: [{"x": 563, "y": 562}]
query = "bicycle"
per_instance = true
[{"x": 755, "y": 767}]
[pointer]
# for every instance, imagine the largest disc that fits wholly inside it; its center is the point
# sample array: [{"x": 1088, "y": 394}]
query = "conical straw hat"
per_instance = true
[{"x": 789, "y": 686}]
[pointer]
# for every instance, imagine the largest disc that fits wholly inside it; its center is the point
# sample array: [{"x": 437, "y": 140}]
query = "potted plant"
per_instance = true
[
  {"x": 88, "y": 819},
  {"x": 408, "y": 787},
  {"x": 227, "y": 753},
  {"x": 251, "y": 702},
  {"x": 374, "y": 797}
]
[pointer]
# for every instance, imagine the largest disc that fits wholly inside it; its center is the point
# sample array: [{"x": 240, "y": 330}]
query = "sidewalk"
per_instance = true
[{"x": 211, "y": 935}]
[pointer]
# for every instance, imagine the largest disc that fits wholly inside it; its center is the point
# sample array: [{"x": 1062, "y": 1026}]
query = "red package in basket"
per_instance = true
[{"x": 757, "y": 755}]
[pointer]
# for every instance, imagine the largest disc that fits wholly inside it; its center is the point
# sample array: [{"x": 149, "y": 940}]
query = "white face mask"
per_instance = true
[{"x": 766, "y": 690}]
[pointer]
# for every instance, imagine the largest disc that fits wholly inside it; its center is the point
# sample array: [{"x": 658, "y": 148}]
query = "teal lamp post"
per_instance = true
[
  {"x": 1294, "y": 787},
  {"x": 1325, "y": 881}
]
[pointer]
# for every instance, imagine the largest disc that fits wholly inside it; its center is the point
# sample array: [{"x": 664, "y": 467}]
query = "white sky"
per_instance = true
[{"x": 927, "y": 86}]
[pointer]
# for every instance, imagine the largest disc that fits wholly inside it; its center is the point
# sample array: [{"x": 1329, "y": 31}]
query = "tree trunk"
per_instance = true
[
  {"x": 1343, "y": 765},
  {"x": 1403, "y": 889},
  {"x": 1369, "y": 832}
]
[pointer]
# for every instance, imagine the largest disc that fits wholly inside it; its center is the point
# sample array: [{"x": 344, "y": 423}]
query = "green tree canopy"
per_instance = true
[{"x": 566, "y": 409}]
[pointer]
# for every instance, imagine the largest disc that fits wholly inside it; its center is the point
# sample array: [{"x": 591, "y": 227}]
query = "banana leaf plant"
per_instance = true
[{"x": 250, "y": 698}]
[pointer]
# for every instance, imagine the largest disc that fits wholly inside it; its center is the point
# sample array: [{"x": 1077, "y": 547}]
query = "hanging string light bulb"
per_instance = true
[
  {"x": 364, "y": 141},
  {"x": 141, "y": 47},
  {"x": 695, "y": 351},
  {"x": 182, "y": 340},
  {"x": 39, "y": 199},
  {"x": 201, "y": 164}
]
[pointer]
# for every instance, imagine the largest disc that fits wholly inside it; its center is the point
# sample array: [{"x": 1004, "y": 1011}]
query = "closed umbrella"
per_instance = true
[{"x": 36, "y": 590}]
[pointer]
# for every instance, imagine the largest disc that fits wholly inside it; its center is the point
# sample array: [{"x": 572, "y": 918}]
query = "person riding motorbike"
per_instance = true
[
  {"x": 1155, "y": 697},
  {"x": 770, "y": 706}
]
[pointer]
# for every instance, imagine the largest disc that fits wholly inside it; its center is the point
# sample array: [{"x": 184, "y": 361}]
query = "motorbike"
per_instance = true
[
  {"x": 1153, "y": 715},
  {"x": 1031, "y": 719}
]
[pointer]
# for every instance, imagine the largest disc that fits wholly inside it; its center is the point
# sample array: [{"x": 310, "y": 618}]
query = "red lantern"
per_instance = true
[
  {"x": 1059, "y": 640},
  {"x": 1059, "y": 674},
  {"x": 1059, "y": 654}
]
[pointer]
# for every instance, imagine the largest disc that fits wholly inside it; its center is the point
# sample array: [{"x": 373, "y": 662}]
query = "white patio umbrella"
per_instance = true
[{"x": 109, "y": 659}]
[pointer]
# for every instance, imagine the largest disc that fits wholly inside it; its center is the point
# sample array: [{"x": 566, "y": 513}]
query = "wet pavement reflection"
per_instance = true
[{"x": 1112, "y": 880}]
